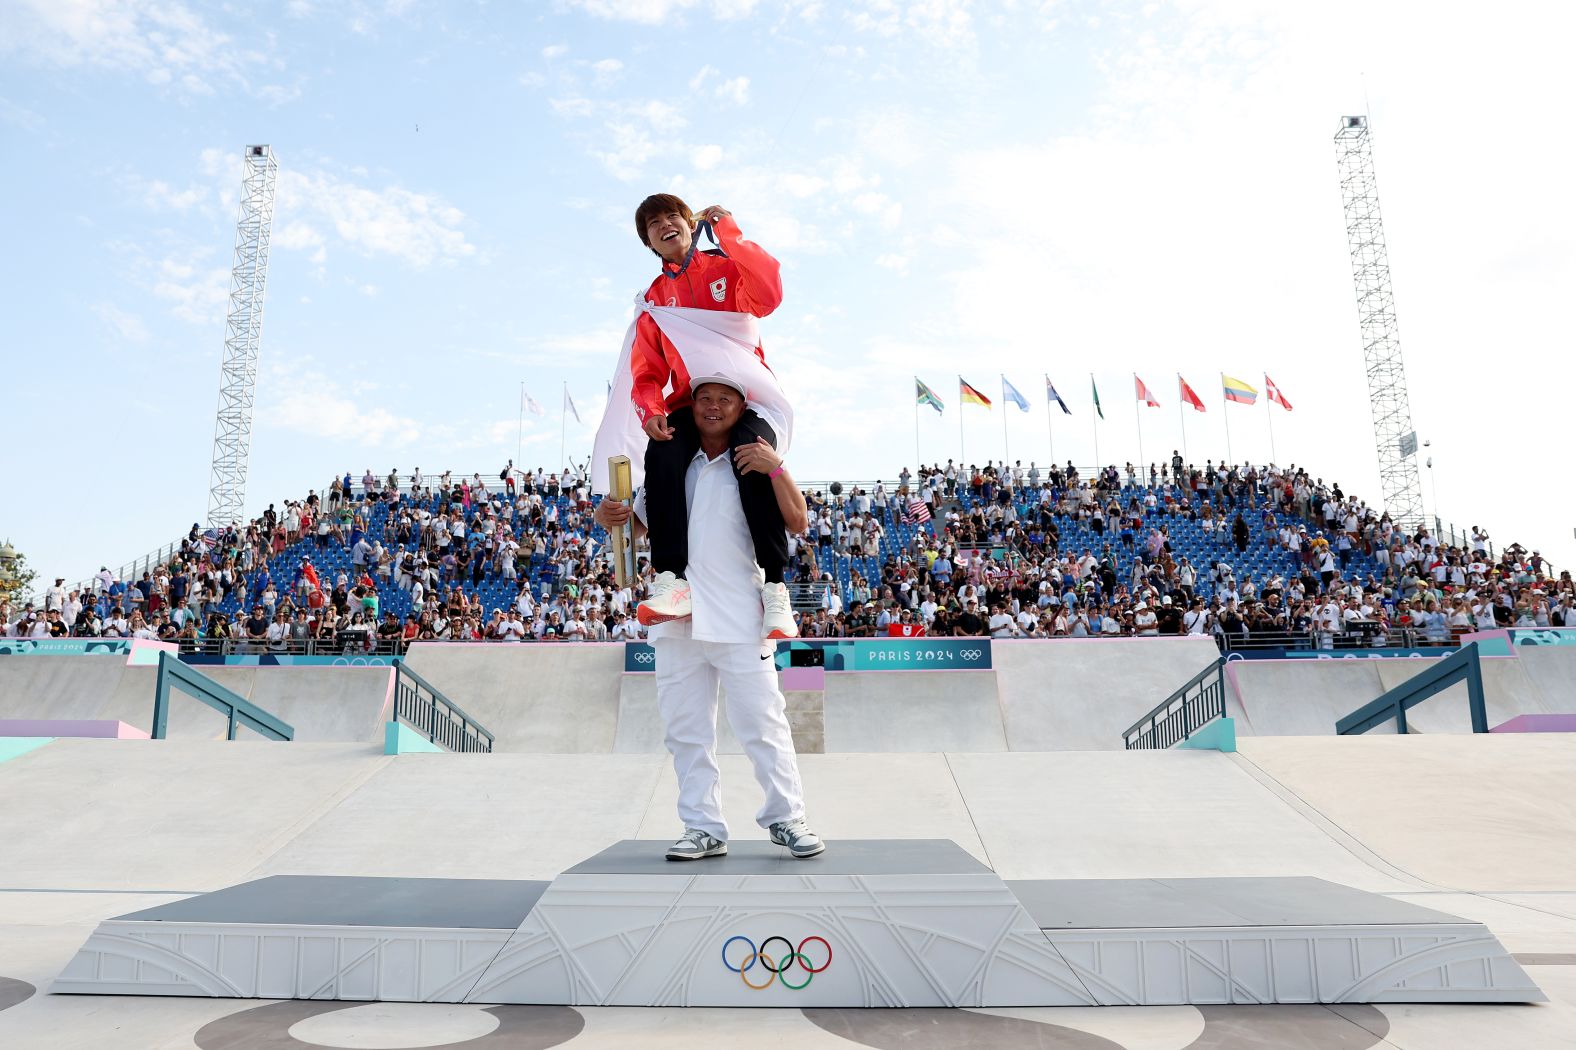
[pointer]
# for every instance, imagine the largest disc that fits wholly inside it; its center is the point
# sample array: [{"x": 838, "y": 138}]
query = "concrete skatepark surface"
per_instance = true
[{"x": 1478, "y": 826}]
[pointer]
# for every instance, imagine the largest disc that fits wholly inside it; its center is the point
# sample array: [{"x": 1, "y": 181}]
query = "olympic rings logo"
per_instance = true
[
  {"x": 644, "y": 657},
  {"x": 790, "y": 957},
  {"x": 970, "y": 654}
]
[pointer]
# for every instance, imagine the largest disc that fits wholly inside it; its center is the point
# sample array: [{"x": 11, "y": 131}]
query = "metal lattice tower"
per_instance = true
[
  {"x": 232, "y": 432},
  {"x": 1394, "y": 439}
]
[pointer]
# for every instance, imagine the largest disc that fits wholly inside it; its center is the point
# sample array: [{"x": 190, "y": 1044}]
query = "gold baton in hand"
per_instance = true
[{"x": 623, "y": 537}]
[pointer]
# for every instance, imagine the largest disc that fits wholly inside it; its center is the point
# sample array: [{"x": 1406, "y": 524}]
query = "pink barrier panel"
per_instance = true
[
  {"x": 76, "y": 727},
  {"x": 804, "y": 679},
  {"x": 145, "y": 652},
  {"x": 1538, "y": 724}
]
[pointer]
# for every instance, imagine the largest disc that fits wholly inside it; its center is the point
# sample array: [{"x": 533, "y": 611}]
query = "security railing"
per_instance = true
[
  {"x": 241, "y": 712},
  {"x": 1178, "y": 716},
  {"x": 423, "y": 708}
]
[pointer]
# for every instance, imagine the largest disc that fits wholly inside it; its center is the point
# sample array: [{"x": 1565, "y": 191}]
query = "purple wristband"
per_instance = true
[{"x": 780, "y": 468}]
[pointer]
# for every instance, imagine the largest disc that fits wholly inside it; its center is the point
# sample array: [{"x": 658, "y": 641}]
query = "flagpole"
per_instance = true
[
  {"x": 563, "y": 423},
  {"x": 1094, "y": 421},
  {"x": 963, "y": 456},
  {"x": 1182, "y": 417},
  {"x": 1269, "y": 414},
  {"x": 1138, "y": 418},
  {"x": 519, "y": 441},
  {"x": 1006, "y": 450},
  {"x": 916, "y": 425},
  {"x": 1225, "y": 413},
  {"x": 1050, "y": 440}
]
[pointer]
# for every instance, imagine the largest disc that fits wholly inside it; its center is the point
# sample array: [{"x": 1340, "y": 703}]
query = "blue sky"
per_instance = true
[{"x": 952, "y": 187}]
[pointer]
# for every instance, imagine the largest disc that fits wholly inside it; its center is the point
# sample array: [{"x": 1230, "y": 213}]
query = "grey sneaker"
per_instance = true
[
  {"x": 797, "y": 836},
  {"x": 695, "y": 844}
]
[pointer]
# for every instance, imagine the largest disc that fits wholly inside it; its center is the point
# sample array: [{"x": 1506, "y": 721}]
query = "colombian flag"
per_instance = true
[
  {"x": 1238, "y": 391},
  {"x": 969, "y": 396}
]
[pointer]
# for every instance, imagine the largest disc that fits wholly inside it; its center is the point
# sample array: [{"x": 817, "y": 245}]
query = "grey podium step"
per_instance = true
[{"x": 868, "y": 923}]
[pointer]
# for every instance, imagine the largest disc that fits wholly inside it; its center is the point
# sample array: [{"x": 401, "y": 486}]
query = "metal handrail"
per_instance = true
[
  {"x": 1464, "y": 665},
  {"x": 419, "y": 704},
  {"x": 241, "y": 711},
  {"x": 1178, "y": 716}
]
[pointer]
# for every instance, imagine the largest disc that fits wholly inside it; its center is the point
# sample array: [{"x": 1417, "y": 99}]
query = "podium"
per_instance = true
[{"x": 870, "y": 923}]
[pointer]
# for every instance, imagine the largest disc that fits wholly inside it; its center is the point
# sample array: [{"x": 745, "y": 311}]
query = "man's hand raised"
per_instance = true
[
  {"x": 713, "y": 214},
  {"x": 657, "y": 428}
]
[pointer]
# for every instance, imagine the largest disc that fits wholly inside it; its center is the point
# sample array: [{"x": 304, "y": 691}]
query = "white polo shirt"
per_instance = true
[{"x": 725, "y": 582}]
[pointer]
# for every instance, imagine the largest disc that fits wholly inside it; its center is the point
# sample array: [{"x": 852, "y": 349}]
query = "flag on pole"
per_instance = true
[
  {"x": 1273, "y": 392},
  {"x": 530, "y": 404},
  {"x": 923, "y": 395},
  {"x": 1052, "y": 395},
  {"x": 1238, "y": 391},
  {"x": 969, "y": 396},
  {"x": 918, "y": 512},
  {"x": 1010, "y": 393},
  {"x": 1143, "y": 393},
  {"x": 1188, "y": 395},
  {"x": 1096, "y": 392},
  {"x": 569, "y": 403}
]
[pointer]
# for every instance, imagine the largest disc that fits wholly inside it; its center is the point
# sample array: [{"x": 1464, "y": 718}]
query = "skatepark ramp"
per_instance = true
[{"x": 1024, "y": 696}]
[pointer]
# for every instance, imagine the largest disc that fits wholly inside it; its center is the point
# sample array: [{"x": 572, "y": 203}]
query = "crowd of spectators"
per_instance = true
[
  {"x": 1028, "y": 553},
  {"x": 1001, "y": 550}
]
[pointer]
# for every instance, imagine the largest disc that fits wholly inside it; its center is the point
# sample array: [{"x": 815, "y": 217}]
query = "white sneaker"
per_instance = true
[
  {"x": 778, "y": 621},
  {"x": 670, "y": 600}
]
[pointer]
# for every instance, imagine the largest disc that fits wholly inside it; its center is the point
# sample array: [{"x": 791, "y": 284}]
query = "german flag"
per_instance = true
[{"x": 969, "y": 396}]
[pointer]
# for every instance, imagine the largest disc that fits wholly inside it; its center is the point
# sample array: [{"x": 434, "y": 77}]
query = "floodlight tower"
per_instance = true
[
  {"x": 1394, "y": 439},
  {"x": 232, "y": 433}
]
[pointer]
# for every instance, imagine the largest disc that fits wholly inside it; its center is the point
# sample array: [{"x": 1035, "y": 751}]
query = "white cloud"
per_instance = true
[
  {"x": 706, "y": 157},
  {"x": 606, "y": 71},
  {"x": 646, "y": 12},
  {"x": 735, "y": 90},
  {"x": 552, "y": 51},
  {"x": 660, "y": 115},
  {"x": 297, "y": 235},
  {"x": 299, "y": 397},
  {"x": 128, "y": 327},
  {"x": 701, "y": 76},
  {"x": 199, "y": 295},
  {"x": 656, "y": 12},
  {"x": 893, "y": 261},
  {"x": 941, "y": 23},
  {"x": 630, "y": 149},
  {"x": 163, "y": 41},
  {"x": 19, "y": 116},
  {"x": 572, "y": 107},
  {"x": 417, "y": 228},
  {"x": 160, "y": 195}
]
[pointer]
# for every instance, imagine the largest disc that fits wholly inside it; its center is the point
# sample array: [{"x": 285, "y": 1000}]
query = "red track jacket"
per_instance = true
[{"x": 742, "y": 278}]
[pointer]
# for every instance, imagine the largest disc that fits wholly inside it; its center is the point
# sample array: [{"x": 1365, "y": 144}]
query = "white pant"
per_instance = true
[{"x": 688, "y": 674}]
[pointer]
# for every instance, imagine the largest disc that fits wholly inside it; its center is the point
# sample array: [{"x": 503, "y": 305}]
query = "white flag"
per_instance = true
[
  {"x": 530, "y": 404},
  {"x": 708, "y": 341},
  {"x": 569, "y": 403}
]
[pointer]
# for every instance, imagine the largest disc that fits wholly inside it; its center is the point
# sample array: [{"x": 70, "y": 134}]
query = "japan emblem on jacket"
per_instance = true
[{"x": 719, "y": 289}]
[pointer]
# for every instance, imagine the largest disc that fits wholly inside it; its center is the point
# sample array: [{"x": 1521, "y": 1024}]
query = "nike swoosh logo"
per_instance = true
[{"x": 766, "y": 656}]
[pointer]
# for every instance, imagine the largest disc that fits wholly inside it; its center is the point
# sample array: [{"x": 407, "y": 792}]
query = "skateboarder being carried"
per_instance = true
[
  {"x": 720, "y": 643},
  {"x": 739, "y": 277}
]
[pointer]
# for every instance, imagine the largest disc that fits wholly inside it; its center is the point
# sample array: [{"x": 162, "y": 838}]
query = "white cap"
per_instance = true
[{"x": 696, "y": 382}]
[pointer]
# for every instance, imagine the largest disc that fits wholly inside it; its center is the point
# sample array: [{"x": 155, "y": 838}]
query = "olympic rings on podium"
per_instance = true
[{"x": 792, "y": 956}]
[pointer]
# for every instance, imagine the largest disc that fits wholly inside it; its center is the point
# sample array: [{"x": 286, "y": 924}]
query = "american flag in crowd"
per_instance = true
[{"x": 918, "y": 513}]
